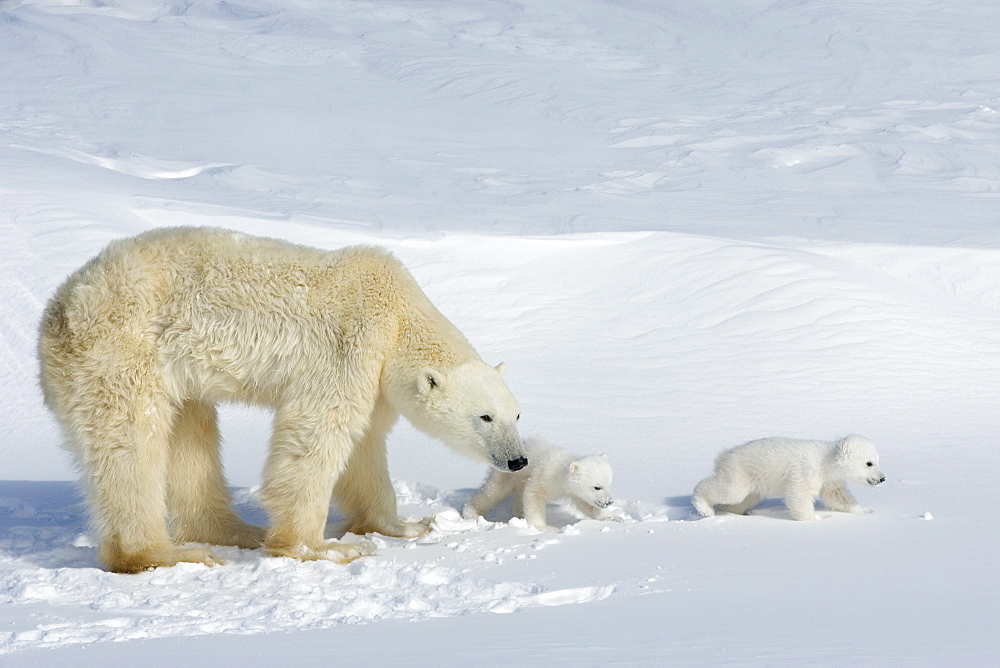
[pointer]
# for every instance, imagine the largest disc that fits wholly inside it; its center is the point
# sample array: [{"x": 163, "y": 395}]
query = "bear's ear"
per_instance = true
[
  {"x": 501, "y": 368},
  {"x": 846, "y": 448},
  {"x": 604, "y": 455},
  {"x": 574, "y": 470},
  {"x": 429, "y": 379}
]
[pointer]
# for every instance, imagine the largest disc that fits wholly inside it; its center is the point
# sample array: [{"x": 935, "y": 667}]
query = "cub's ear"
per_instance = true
[
  {"x": 429, "y": 379},
  {"x": 501, "y": 368},
  {"x": 846, "y": 447},
  {"x": 574, "y": 470},
  {"x": 604, "y": 455}
]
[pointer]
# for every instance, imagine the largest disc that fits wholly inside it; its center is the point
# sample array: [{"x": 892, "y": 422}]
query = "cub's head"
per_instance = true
[
  {"x": 469, "y": 407},
  {"x": 857, "y": 460},
  {"x": 589, "y": 480}
]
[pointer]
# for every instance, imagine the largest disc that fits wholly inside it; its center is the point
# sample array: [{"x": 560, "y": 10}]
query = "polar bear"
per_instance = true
[
  {"x": 138, "y": 346},
  {"x": 552, "y": 474},
  {"x": 796, "y": 469}
]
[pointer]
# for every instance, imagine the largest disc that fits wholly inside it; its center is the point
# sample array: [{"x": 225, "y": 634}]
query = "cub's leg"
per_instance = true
[
  {"x": 744, "y": 506},
  {"x": 799, "y": 501},
  {"x": 533, "y": 502},
  {"x": 364, "y": 492},
  {"x": 198, "y": 502},
  {"x": 594, "y": 513},
  {"x": 718, "y": 490},
  {"x": 835, "y": 496},
  {"x": 309, "y": 451},
  {"x": 497, "y": 487},
  {"x": 517, "y": 501}
]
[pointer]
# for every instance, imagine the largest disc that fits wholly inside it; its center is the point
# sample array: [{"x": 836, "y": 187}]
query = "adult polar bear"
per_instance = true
[{"x": 138, "y": 345}]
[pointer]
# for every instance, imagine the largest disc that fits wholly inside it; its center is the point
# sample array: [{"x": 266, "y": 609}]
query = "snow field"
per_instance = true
[{"x": 682, "y": 225}]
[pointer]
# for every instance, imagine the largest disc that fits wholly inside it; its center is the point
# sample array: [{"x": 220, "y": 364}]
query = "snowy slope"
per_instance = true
[{"x": 681, "y": 224}]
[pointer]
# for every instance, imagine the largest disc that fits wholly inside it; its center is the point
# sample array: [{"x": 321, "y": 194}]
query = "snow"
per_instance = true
[{"x": 682, "y": 225}]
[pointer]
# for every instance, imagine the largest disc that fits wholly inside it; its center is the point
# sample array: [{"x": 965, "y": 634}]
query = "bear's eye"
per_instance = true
[
  {"x": 598, "y": 489},
  {"x": 518, "y": 417},
  {"x": 870, "y": 464},
  {"x": 486, "y": 418}
]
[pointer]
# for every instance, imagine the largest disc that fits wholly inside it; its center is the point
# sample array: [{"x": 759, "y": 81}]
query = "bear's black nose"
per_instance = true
[{"x": 517, "y": 464}]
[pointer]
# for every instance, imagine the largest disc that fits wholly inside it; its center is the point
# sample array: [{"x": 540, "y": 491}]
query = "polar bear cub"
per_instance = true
[
  {"x": 798, "y": 470},
  {"x": 552, "y": 473}
]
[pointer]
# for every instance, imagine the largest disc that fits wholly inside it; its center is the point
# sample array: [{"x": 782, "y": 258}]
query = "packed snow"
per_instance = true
[{"x": 682, "y": 225}]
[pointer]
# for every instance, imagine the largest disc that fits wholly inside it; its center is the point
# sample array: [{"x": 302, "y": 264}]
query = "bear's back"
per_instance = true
[
  {"x": 771, "y": 462},
  {"x": 204, "y": 269}
]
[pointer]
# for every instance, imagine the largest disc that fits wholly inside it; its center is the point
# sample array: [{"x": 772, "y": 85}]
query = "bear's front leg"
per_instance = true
[
  {"x": 533, "y": 503},
  {"x": 593, "y": 513},
  {"x": 497, "y": 487},
  {"x": 197, "y": 498},
  {"x": 305, "y": 456},
  {"x": 835, "y": 496},
  {"x": 800, "y": 504},
  {"x": 363, "y": 491}
]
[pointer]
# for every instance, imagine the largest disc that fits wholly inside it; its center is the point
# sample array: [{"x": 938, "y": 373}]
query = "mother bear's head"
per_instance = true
[{"x": 469, "y": 408}]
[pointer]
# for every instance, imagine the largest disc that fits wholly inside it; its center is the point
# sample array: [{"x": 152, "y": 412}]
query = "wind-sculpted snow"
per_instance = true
[{"x": 843, "y": 121}]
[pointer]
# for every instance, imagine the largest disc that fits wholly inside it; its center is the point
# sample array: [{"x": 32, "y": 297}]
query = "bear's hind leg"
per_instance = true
[
  {"x": 744, "y": 506},
  {"x": 198, "y": 502},
  {"x": 123, "y": 449},
  {"x": 718, "y": 492}
]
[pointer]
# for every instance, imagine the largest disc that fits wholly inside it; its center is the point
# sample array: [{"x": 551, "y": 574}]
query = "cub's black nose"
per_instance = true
[{"x": 517, "y": 464}]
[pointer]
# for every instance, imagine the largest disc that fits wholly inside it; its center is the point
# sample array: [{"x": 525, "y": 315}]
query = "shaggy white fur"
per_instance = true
[{"x": 138, "y": 345}]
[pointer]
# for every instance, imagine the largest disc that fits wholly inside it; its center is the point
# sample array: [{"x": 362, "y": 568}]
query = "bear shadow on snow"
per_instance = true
[{"x": 680, "y": 509}]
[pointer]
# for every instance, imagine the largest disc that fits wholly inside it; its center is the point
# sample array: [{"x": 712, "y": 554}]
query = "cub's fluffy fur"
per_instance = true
[
  {"x": 552, "y": 473},
  {"x": 797, "y": 470}
]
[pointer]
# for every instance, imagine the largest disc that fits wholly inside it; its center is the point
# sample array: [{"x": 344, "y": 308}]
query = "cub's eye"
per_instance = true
[
  {"x": 486, "y": 418},
  {"x": 598, "y": 489},
  {"x": 870, "y": 464},
  {"x": 518, "y": 417}
]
